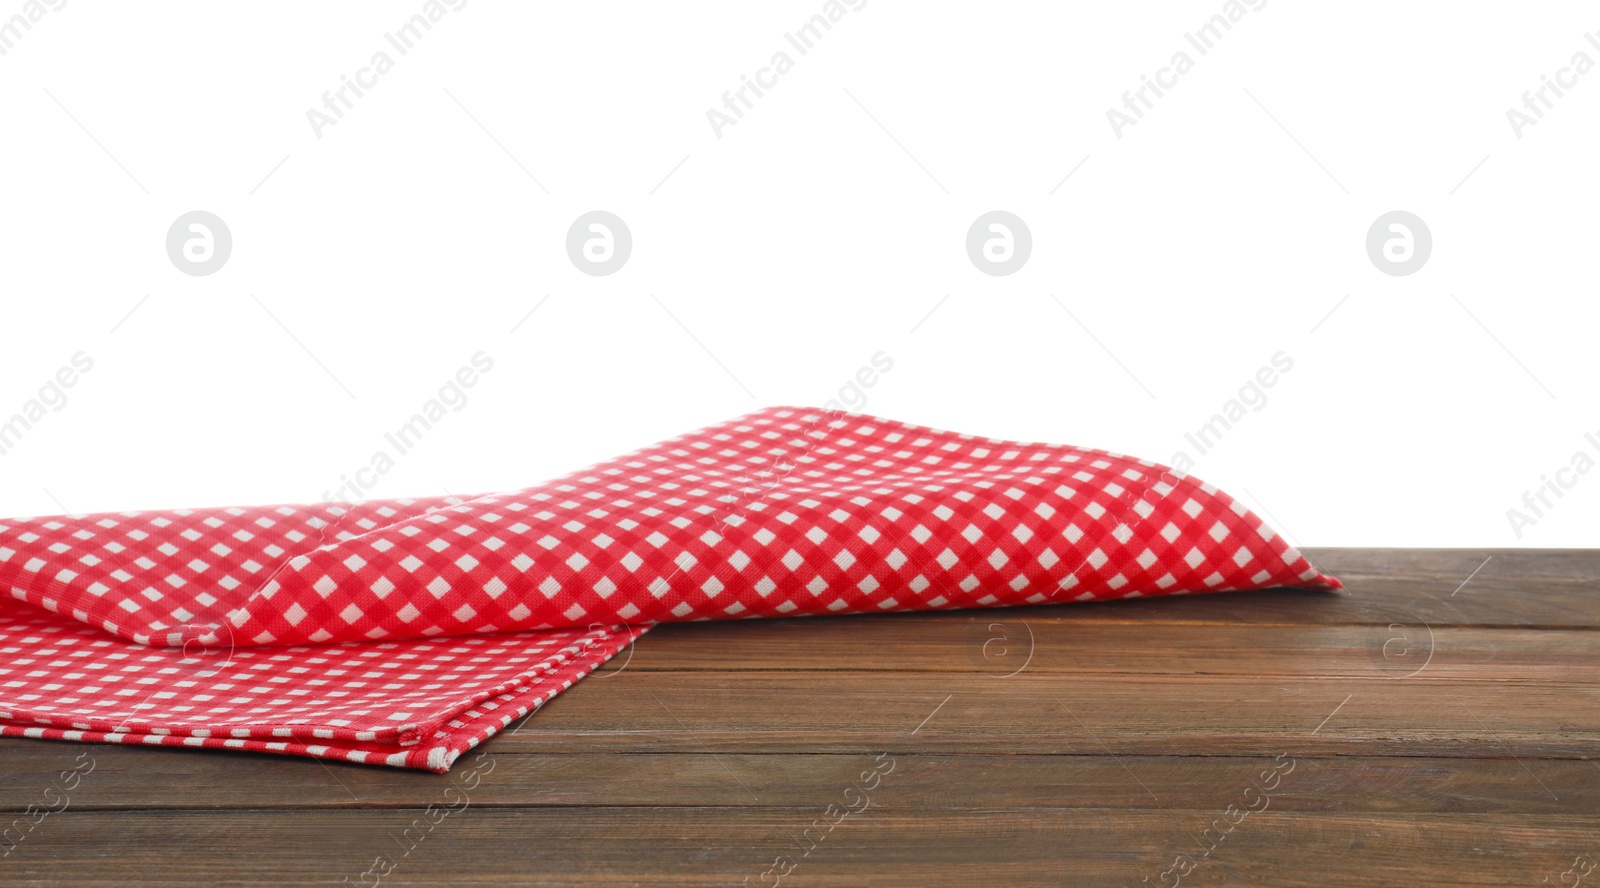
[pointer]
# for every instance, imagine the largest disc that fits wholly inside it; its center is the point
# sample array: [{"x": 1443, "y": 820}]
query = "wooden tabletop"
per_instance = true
[{"x": 1436, "y": 725}]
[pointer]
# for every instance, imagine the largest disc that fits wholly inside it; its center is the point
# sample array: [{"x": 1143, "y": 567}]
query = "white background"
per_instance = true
[{"x": 817, "y": 232}]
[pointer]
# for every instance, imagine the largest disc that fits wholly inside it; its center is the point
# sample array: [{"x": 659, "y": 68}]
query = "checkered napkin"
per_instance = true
[{"x": 405, "y": 632}]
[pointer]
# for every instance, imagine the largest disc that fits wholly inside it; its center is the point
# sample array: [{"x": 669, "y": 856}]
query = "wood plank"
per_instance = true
[
  {"x": 1051, "y": 640},
  {"x": 1489, "y": 587},
  {"x": 1044, "y": 713},
  {"x": 145, "y": 779},
  {"x": 1447, "y": 567},
  {"x": 879, "y": 846}
]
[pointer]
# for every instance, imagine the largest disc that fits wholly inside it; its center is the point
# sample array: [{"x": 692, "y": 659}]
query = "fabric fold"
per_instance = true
[{"x": 405, "y": 631}]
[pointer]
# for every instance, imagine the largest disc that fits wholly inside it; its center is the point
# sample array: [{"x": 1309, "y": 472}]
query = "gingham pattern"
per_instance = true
[
  {"x": 170, "y": 577},
  {"x": 787, "y": 511},
  {"x": 409, "y": 704}
]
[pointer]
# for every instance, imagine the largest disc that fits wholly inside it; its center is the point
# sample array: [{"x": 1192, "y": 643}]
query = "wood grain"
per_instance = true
[
  {"x": 879, "y": 847},
  {"x": 146, "y": 778},
  {"x": 1441, "y": 730},
  {"x": 1034, "y": 641}
]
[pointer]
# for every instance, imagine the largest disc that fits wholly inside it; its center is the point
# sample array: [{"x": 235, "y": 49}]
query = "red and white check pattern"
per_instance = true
[
  {"x": 416, "y": 704},
  {"x": 228, "y": 627}
]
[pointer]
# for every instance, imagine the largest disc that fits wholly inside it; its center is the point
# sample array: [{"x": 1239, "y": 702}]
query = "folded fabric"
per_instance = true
[{"x": 404, "y": 632}]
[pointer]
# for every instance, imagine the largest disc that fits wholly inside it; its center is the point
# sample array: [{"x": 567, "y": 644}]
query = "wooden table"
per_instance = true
[{"x": 1423, "y": 729}]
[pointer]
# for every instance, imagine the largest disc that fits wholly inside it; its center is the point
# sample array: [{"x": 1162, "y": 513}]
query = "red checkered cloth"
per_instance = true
[{"x": 405, "y": 632}]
